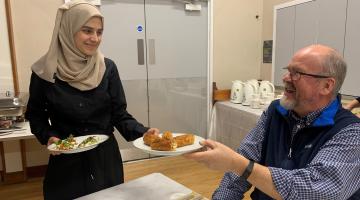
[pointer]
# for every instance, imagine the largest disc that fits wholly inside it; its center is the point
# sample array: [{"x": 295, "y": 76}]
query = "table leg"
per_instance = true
[
  {"x": 23, "y": 157},
  {"x": 14, "y": 177},
  {"x": 2, "y": 154}
]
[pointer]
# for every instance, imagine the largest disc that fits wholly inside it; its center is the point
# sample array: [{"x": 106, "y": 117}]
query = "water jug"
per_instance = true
[
  {"x": 265, "y": 88},
  {"x": 249, "y": 90},
  {"x": 237, "y": 92}
]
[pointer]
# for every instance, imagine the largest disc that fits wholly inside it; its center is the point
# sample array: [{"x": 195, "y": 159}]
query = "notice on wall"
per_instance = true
[{"x": 267, "y": 51}]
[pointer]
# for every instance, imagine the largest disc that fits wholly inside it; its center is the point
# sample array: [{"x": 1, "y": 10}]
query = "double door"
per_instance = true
[
  {"x": 304, "y": 23},
  {"x": 161, "y": 51},
  {"x": 331, "y": 22}
]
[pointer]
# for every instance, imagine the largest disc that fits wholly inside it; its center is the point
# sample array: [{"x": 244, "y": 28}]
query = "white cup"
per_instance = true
[
  {"x": 265, "y": 106},
  {"x": 255, "y": 103},
  {"x": 269, "y": 98},
  {"x": 255, "y": 96},
  {"x": 270, "y": 94}
]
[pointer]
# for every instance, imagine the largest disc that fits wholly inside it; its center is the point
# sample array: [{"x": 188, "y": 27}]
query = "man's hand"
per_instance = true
[
  {"x": 51, "y": 141},
  {"x": 219, "y": 157}
]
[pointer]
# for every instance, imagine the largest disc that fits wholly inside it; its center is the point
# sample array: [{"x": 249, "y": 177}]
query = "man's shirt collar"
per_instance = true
[{"x": 321, "y": 117}]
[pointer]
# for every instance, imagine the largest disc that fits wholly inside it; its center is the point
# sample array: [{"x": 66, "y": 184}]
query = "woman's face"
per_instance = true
[{"x": 88, "y": 38}]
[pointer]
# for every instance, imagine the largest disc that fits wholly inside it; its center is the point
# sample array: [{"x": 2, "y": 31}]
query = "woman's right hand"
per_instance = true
[{"x": 51, "y": 141}]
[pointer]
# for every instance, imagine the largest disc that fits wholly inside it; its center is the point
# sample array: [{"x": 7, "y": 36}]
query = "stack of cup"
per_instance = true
[
  {"x": 269, "y": 97},
  {"x": 255, "y": 101}
]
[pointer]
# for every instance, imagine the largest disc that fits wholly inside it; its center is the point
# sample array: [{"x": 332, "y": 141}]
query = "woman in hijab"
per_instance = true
[{"x": 75, "y": 90}]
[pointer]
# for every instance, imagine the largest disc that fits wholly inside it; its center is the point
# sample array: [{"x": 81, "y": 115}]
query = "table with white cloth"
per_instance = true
[
  {"x": 149, "y": 187},
  {"x": 230, "y": 122}
]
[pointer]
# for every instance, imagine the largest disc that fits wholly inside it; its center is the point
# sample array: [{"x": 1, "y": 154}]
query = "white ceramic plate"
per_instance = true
[
  {"x": 10, "y": 130},
  {"x": 139, "y": 143},
  {"x": 100, "y": 139},
  {"x": 5, "y": 132}
]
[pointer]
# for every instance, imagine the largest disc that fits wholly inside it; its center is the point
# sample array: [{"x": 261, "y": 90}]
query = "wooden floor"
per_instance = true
[{"x": 187, "y": 172}]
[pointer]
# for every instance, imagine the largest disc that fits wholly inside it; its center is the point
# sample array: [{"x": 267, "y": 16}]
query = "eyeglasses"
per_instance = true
[{"x": 296, "y": 75}]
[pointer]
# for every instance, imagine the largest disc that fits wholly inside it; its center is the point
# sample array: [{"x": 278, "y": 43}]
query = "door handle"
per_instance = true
[
  {"x": 152, "y": 57},
  {"x": 140, "y": 51}
]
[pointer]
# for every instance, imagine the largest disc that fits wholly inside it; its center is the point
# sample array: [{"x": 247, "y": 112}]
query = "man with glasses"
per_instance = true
[{"x": 304, "y": 146}]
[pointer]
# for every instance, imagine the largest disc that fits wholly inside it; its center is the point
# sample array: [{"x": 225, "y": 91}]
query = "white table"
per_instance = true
[
  {"x": 20, "y": 135},
  {"x": 149, "y": 187},
  {"x": 230, "y": 122}
]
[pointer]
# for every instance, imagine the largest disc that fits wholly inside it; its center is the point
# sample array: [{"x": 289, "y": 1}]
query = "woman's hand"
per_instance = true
[
  {"x": 51, "y": 141},
  {"x": 154, "y": 131}
]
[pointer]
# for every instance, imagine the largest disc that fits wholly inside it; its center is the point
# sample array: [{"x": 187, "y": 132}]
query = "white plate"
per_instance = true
[
  {"x": 5, "y": 132},
  {"x": 139, "y": 143},
  {"x": 8, "y": 131},
  {"x": 100, "y": 139}
]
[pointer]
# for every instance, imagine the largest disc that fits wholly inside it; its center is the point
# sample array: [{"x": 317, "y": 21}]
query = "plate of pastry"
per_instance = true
[
  {"x": 78, "y": 144},
  {"x": 168, "y": 143}
]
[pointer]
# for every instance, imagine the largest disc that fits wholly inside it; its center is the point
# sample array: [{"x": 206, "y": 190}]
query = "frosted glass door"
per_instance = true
[
  {"x": 284, "y": 48},
  {"x": 332, "y": 20},
  {"x": 177, "y": 46},
  {"x": 352, "y": 51},
  {"x": 165, "y": 82},
  {"x": 306, "y": 24},
  {"x": 124, "y": 33}
]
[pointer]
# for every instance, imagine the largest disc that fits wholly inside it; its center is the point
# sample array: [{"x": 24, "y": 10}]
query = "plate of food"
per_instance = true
[
  {"x": 168, "y": 143},
  {"x": 77, "y": 144}
]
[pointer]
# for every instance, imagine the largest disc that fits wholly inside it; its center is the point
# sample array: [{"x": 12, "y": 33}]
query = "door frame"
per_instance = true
[{"x": 210, "y": 61}]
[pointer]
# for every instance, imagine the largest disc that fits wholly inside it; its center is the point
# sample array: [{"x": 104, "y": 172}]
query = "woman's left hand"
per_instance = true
[{"x": 51, "y": 141}]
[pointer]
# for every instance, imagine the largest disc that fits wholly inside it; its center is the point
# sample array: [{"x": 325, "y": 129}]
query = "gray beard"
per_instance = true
[{"x": 287, "y": 104}]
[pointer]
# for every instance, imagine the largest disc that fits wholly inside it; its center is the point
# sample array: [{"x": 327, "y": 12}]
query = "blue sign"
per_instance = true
[{"x": 140, "y": 28}]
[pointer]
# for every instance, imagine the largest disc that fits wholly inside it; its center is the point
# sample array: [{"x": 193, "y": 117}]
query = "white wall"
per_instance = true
[
  {"x": 237, "y": 40},
  {"x": 33, "y": 23},
  {"x": 6, "y": 80}
]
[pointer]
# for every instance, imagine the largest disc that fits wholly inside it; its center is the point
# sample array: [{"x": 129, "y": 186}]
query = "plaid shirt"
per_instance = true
[{"x": 339, "y": 159}]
